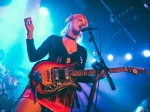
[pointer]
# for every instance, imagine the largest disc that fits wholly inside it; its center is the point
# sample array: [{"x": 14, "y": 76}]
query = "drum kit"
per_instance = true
[{"x": 9, "y": 87}]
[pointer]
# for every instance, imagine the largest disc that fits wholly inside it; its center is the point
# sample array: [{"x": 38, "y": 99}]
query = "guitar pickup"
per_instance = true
[
  {"x": 61, "y": 74},
  {"x": 55, "y": 74}
]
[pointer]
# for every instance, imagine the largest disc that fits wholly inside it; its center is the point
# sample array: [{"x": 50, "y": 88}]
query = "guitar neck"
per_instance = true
[{"x": 91, "y": 71}]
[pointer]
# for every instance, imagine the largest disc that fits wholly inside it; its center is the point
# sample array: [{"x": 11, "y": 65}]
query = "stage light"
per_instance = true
[
  {"x": 146, "y": 53},
  {"x": 127, "y": 10},
  {"x": 123, "y": 13},
  {"x": 128, "y": 56},
  {"x": 44, "y": 24},
  {"x": 43, "y": 11},
  {"x": 131, "y": 8},
  {"x": 93, "y": 60},
  {"x": 94, "y": 53},
  {"x": 110, "y": 57},
  {"x": 146, "y": 4},
  {"x": 119, "y": 16}
]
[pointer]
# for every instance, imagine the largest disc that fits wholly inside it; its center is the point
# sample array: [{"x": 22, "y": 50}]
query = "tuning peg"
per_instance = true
[{"x": 135, "y": 70}]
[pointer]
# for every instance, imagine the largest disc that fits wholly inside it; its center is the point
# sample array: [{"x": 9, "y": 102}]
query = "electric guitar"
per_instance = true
[{"x": 49, "y": 78}]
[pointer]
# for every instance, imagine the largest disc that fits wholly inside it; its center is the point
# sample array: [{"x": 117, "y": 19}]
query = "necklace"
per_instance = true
[{"x": 70, "y": 37}]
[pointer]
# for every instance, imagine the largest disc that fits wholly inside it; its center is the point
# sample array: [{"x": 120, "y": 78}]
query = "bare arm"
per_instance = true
[{"x": 29, "y": 27}]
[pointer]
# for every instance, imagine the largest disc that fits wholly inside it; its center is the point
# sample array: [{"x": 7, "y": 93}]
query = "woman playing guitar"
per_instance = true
[{"x": 63, "y": 50}]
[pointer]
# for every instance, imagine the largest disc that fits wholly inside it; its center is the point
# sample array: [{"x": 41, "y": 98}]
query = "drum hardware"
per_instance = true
[
  {"x": 23, "y": 70},
  {"x": 9, "y": 86},
  {"x": 8, "y": 89}
]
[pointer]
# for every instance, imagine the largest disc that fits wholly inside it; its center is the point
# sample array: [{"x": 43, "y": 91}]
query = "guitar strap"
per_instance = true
[{"x": 77, "y": 100}]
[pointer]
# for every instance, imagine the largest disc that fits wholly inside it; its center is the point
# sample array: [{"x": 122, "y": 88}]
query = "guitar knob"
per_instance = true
[
  {"x": 49, "y": 87},
  {"x": 53, "y": 86}
]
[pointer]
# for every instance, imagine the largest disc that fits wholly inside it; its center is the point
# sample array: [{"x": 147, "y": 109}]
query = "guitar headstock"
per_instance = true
[{"x": 136, "y": 70}]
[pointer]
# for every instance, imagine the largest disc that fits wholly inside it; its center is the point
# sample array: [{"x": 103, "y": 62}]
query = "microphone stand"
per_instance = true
[{"x": 103, "y": 66}]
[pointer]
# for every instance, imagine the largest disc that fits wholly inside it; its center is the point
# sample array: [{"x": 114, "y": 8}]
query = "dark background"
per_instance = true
[{"x": 125, "y": 28}]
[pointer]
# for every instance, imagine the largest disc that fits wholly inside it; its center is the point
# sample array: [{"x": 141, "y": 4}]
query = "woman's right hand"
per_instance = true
[{"x": 29, "y": 26}]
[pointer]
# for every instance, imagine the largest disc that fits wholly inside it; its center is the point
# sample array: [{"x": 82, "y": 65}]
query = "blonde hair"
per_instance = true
[{"x": 68, "y": 20}]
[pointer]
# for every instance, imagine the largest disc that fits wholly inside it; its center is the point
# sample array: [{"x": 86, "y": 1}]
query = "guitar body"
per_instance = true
[{"x": 49, "y": 78}]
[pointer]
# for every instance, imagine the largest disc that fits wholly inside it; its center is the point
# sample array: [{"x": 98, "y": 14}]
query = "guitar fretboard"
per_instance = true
[
  {"x": 91, "y": 71},
  {"x": 83, "y": 72},
  {"x": 120, "y": 69}
]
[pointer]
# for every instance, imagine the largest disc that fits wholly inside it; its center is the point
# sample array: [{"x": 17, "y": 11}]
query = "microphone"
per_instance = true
[{"x": 88, "y": 28}]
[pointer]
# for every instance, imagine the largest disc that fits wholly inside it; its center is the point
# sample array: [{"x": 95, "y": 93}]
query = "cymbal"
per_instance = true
[
  {"x": 17, "y": 76},
  {"x": 13, "y": 76},
  {"x": 23, "y": 70}
]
